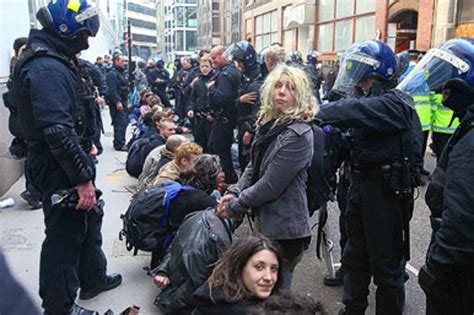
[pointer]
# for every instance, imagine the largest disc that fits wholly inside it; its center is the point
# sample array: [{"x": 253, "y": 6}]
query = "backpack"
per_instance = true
[
  {"x": 137, "y": 154},
  {"x": 322, "y": 179},
  {"x": 146, "y": 224}
]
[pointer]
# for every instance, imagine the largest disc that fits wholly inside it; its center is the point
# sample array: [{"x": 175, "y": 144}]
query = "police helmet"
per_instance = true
[
  {"x": 67, "y": 18},
  {"x": 403, "y": 61},
  {"x": 364, "y": 60},
  {"x": 312, "y": 56},
  {"x": 296, "y": 56},
  {"x": 454, "y": 60},
  {"x": 160, "y": 64},
  {"x": 244, "y": 52}
]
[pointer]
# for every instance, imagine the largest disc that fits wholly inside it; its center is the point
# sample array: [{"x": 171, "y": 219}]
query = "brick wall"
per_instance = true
[{"x": 425, "y": 24}]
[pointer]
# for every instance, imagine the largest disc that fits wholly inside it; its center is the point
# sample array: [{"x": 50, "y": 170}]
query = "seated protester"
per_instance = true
[
  {"x": 199, "y": 242},
  {"x": 184, "y": 157},
  {"x": 157, "y": 158},
  {"x": 248, "y": 272},
  {"x": 286, "y": 302},
  {"x": 202, "y": 176}
]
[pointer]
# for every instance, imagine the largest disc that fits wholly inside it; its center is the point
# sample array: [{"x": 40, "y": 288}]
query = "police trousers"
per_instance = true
[
  {"x": 202, "y": 131},
  {"x": 71, "y": 256},
  {"x": 374, "y": 248},
  {"x": 220, "y": 142},
  {"x": 119, "y": 122}
]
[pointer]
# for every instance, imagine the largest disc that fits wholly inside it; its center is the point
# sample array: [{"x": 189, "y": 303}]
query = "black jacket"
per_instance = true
[
  {"x": 453, "y": 245},
  {"x": 200, "y": 96},
  {"x": 378, "y": 122},
  {"x": 219, "y": 305},
  {"x": 224, "y": 93},
  {"x": 118, "y": 86},
  {"x": 252, "y": 81}
]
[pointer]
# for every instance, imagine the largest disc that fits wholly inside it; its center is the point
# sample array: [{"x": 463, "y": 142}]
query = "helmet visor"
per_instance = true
[
  {"x": 354, "y": 69},
  {"x": 432, "y": 72},
  {"x": 90, "y": 20}
]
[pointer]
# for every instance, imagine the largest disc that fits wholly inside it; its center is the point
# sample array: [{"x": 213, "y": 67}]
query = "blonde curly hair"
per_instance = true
[{"x": 305, "y": 107}]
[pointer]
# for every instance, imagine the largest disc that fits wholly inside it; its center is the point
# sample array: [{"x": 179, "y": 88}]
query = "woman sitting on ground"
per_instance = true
[{"x": 248, "y": 273}]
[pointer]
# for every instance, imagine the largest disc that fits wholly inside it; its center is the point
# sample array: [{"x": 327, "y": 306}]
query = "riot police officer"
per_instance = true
[
  {"x": 447, "y": 278},
  {"x": 117, "y": 98},
  {"x": 223, "y": 93},
  {"x": 158, "y": 80},
  {"x": 314, "y": 71},
  {"x": 381, "y": 193},
  {"x": 45, "y": 82},
  {"x": 248, "y": 102}
]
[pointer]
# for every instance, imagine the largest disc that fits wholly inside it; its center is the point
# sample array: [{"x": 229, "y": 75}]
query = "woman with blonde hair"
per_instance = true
[{"x": 273, "y": 186}]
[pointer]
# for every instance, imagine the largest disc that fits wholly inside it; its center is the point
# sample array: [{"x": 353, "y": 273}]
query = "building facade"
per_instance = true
[
  {"x": 180, "y": 28},
  {"x": 142, "y": 16}
]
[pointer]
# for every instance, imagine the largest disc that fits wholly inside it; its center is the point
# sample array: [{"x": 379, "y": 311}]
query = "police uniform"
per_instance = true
[
  {"x": 443, "y": 124},
  {"x": 222, "y": 98},
  {"x": 117, "y": 84},
  {"x": 160, "y": 88},
  {"x": 252, "y": 80},
  {"x": 200, "y": 105},
  {"x": 380, "y": 198},
  {"x": 71, "y": 255}
]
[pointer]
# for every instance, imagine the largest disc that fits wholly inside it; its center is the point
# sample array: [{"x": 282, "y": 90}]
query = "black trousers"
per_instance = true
[
  {"x": 163, "y": 97},
  {"x": 119, "y": 122},
  {"x": 342, "y": 196},
  {"x": 71, "y": 256},
  {"x": 220, "y": 142},
  {"x": 439, "y": 142},
  {"x": 201, "y": 132},
  {"x": 374, "y": 248}
]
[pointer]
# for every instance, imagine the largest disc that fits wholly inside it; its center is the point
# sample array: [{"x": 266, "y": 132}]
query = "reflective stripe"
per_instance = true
[{"x": 442, "y": 116}]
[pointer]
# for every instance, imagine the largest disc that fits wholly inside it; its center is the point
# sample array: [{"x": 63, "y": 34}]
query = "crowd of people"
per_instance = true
[{"x": 195, "y": 187}]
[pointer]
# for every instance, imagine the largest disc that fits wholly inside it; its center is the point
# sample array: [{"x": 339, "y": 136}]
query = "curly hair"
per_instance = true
[
  {"x": 203, "y": 173},
  {"x": 187, "y": 149},
  {"x": 227, "y": 273},
  {"x": 305, "y": 107}
]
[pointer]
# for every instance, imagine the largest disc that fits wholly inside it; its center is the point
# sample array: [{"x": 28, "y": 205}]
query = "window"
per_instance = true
[
  {"x": 141, "y": 9},
  {"x": 179, "y": 16},
  {"x": 144, "y": 38},
  {"x": 365, "y": 6},
  {"x": 191, "y": 41},
  {"x": 325, "y": 37},
  {"x": 344, "y": 8},
  {"x": 326, "y": 10},
  {"x": 365, "y": 28},
  {"x": 265, "y": 29},
  {"x": 343, "y": 35},
  {"x": 179, "y": 42},
  {"x": 191, "y": 20},
  {"x": 466, "y": 11},
  {"x": 142, "y": 24}
]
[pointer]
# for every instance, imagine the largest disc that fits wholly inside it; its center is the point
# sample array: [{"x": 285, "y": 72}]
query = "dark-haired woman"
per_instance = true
[{"x": 246, "y": 274}]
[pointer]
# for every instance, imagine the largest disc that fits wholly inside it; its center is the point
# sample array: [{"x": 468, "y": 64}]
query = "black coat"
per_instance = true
[
  {"x": 252, "y": 81},
  {"x": 453, "y": 244},
  {"x": 205, "y": 306},
  {"x": 199, "y": 95},
  {"x": 224, "y": 93}
]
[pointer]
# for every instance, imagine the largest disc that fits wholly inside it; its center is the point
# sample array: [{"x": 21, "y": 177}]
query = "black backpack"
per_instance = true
[
  {"x": 146, "y": 224},
  {"x": 329, "y": 150},
  {"x": 138, "y": 152}
]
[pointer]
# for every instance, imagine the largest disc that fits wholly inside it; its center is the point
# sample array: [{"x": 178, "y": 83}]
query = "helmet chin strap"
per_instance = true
[{"x": 78, "y": 42}]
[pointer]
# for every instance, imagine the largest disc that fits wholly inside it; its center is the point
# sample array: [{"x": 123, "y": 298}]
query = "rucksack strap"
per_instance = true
[{"x": 172, "y": 190}]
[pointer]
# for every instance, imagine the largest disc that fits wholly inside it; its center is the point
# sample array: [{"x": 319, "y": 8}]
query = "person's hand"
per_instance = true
[
  {"x": 159, "y": 81},
  {"x": 119, "y": 106},
  {"x": 247, "y": 138},
  {"x": 161, "y": 281},
  {"x": 191, "y": 114},
  {"x": 93, "y": 150},
  {"x": 99, "y": 100},
  {"x": 86, "y": 194},
  {"x": 248, "y": 98},
  {"x": 222, "y": 209},
  {"x": 209, "y": 118}
]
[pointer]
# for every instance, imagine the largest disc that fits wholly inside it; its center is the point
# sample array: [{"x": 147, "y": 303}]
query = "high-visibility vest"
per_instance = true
[
  {"x": 442, "y": 116},
  {"x": 423, "y": 109}
]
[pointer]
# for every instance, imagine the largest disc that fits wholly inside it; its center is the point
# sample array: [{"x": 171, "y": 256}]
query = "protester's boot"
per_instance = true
[{"x": 111, "y": 282}]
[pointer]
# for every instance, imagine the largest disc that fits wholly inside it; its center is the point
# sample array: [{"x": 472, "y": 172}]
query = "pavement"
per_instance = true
[{"x": 21, "y": 235}]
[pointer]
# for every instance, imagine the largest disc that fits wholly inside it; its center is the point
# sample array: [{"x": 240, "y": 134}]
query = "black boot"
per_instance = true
[
  {"x": 111, "y": 282},
  {"x": 33, "y": 202},
  {"x": 336, "y": 281}
]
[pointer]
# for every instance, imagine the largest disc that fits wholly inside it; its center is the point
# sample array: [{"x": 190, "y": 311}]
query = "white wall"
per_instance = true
[{"x": 14, "y": 23}]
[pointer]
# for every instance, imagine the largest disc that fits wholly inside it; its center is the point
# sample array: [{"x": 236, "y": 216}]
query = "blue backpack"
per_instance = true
[{"x": 146, "y": 223}]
